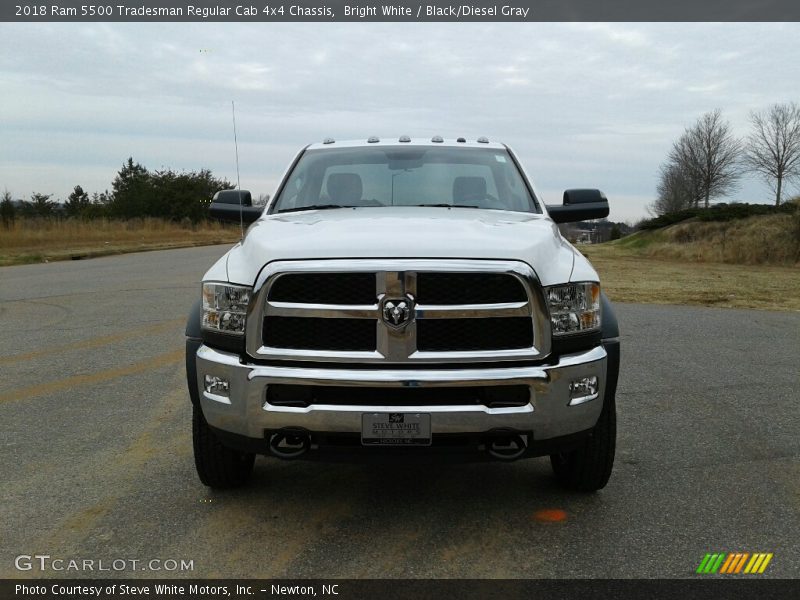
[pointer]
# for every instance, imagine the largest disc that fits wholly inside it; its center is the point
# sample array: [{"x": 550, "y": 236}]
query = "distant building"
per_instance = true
[{"x": 592, "y": 232}]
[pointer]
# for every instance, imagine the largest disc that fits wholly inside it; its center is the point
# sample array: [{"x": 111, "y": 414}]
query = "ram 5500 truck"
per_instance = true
[{"x": 398, "y": 299}]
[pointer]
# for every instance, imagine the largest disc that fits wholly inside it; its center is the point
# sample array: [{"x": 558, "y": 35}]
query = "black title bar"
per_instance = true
[
  {"x": 399, "y": 10},
  {"x": 700, "y": 587}
]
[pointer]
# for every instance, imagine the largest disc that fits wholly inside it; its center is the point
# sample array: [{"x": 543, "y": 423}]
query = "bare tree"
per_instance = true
[
  {"x": 684, "y": 168},
  {"x": 675, "y": 191},
  {"x": 773, "y": 146},
  {"x": 708, "y": 156}
]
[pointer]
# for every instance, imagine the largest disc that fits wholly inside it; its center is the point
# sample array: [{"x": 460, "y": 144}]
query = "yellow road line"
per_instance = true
[
  {"x": 154, "y": 362},
  {"x": 96, "y": 342},
  {"x": 123, "y": 467}
]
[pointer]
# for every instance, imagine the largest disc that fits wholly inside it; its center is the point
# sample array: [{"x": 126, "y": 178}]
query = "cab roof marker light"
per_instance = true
[
  {"x": 483, "y": 140},
  {"x": 462, "y": 140},
  {"x": 328, "y": 141},
  {"x": 405, "y": 138},
  {"x": 437, "y": 139},
  {"x": 373, "y": 139}
]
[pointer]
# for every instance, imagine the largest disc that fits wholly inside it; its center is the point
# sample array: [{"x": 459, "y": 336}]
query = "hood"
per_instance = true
[{"x": 404, "y": 232}]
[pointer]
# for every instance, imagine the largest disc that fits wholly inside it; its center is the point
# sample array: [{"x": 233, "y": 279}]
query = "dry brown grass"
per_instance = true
[
  {"x": 746, "y": 263},
  {"x": 35, "y": 240},
  {"x": 628, "y": 276},
  {"x": 772, "y": 239}
]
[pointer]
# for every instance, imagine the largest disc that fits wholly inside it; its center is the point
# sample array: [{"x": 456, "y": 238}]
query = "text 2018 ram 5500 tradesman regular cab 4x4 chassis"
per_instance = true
[{"x": 400, "y": 298}]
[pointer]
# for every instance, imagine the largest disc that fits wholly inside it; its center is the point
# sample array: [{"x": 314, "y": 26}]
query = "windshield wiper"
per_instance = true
[
  {"x": 449, "y": 205},
  {"x": 312, "y": 207}
]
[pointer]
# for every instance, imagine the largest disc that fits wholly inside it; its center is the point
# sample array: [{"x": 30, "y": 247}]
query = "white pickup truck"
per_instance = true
[{"x": 404, "y": 299}]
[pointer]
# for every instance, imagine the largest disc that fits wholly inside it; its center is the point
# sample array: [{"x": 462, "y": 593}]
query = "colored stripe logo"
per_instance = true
[{"x": 734, "y": 563}]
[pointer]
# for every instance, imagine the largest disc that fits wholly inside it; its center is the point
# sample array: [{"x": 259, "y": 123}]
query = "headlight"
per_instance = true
[
  {"x": 574, "y": 307},
  {"x": 225, "y": 307}
]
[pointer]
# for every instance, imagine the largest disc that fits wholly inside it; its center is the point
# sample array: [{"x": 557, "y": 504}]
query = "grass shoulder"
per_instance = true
[
  {"x": 28, "y": 241},
  {"x": 748, "y": 263}
]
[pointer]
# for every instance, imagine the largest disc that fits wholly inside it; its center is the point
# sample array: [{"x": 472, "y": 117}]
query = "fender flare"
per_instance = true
[
  {"x": 610, "y": 327},
  {"x": 193, "y": 342},
  {"x": 610, "y": 341},
  {"x": 194, "y": 321}
]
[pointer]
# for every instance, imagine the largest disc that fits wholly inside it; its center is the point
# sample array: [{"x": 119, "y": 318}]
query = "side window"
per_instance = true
[
  {"x": 292, "y": 192},
  {"x": 510, "y": 187}
]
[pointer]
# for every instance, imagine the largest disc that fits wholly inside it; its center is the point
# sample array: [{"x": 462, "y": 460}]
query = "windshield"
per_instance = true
[{"x": 406, "y": 176}]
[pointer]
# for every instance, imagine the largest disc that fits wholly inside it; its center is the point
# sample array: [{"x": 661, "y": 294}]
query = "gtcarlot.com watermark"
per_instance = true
[{"x": 47, "y": 563}]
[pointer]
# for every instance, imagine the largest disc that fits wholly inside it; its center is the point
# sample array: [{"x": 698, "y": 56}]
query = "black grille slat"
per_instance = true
[
  {"x": 495, "y": 333},
  {"x": 320, "y": 334},
  {"x": 324, "y": 288},
  {"x": 469, "y": 288},
  {"x": 495, "y": 396}
]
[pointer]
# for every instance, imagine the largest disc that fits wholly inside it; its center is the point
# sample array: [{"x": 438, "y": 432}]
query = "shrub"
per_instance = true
[{"x": 719, "y": 213}]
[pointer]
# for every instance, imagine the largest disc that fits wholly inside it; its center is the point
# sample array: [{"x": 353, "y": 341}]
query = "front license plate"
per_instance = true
[{"x": 395, "y": 429}]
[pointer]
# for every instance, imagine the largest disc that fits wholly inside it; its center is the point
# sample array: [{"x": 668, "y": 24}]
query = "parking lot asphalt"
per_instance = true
[{"x": 96, "y": 456}]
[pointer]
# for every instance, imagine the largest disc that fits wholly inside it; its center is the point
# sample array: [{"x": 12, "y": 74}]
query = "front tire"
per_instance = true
[
  {"x": 588, "y": 467},
  {"x": 218, "y": 466}
]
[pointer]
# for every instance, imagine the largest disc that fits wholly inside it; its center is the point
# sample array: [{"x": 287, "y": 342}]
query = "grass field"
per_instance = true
[
  {"x": 32, "y": 241},
  {"x": 744, "y": 263},
  {"x": 629, "y": 277}
]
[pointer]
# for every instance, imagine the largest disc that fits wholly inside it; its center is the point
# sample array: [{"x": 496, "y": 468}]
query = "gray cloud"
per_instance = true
[{"x": 582, "y": 104}]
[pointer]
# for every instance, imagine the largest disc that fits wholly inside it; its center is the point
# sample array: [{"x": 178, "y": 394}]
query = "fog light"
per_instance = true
[
  {"x": 582, "y": 390},
  {"x": 217, "y": 386}
]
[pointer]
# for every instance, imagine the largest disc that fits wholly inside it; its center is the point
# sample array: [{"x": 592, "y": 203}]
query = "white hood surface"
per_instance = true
[{"x": 406, "y": 232}]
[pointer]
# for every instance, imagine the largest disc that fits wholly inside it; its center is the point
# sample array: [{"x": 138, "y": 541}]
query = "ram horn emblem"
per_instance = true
[{"x": 397, "y": 312}]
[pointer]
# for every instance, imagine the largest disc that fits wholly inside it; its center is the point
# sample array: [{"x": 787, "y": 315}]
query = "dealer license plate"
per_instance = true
[{"x": 396, "y": 429}]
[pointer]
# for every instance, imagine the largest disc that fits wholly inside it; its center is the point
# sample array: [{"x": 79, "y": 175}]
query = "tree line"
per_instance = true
[
  {"x": 135, "y": 192},
  {"x": 708, "y": 160}
]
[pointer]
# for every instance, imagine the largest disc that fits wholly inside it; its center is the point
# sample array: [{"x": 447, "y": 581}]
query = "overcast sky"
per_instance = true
[{"x": 583, "y": 105}]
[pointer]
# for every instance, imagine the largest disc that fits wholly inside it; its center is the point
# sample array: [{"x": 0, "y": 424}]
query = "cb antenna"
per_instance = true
[{"x": 238, "y": 180}]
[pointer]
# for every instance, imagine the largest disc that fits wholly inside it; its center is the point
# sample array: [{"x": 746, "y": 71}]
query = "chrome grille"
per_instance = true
[{"x": 457, "y": 310}]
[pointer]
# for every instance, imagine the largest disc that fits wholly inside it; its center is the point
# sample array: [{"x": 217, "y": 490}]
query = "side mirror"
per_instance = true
[
  {"x": 580, "y": 205},
  {"x": 227, "y": 204}
]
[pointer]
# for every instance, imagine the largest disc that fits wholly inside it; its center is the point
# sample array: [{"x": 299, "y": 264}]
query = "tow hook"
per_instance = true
[
  {"x": 289, "y": 444},
  {"x": 507, "y": 447}
]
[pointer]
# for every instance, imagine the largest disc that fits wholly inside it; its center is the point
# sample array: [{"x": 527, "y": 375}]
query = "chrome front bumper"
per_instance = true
[{"x": 246, "y": 412}]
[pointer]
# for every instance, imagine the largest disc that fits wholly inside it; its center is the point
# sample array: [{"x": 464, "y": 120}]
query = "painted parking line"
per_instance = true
[
  {"x": 96, "y": 342},
  {"x": 154, "y": 362}
]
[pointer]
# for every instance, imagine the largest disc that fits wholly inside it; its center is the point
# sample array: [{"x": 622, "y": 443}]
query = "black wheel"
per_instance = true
[
  {"x": 588, "y": 467},
  {"x": 218, "y": 466}
]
